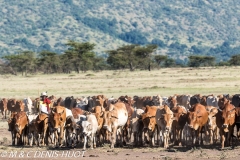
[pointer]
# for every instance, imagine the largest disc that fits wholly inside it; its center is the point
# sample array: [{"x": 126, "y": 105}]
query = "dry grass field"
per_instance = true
[{"x": 165, "y": 82}]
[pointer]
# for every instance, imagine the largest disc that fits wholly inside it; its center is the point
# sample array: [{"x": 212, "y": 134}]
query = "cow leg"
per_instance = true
[
  {"x": 211, "y": 136},
  {"x": 222, "y": 135},
  {"x": 13, "y": 138},
  {"x": 45, "y": 131},
  {"x": 122, "y": 138},
  {"x": 158, "y": 136},
  {"x": 5, "y": 114},
  {"x": 200, "y": 130},
  {"x": 152, "y": 136},
  {"x": 56, "y": 138},
  {"x": 94, "y": 140},
  {"x": 62, "y": 136},
  {"x": 139, "y": 140},
  {"x": 179, "y": 135},
  {"x": 91, "y": 141},
  {"x": 165, "y": 145},
  {"x": 113, "y": 137},
  {"x": 238, "y": 132},
  {"x": 146, "y": 136},
  {"x": 215, "y": 135},
  {"x": 85, "y": 142}
]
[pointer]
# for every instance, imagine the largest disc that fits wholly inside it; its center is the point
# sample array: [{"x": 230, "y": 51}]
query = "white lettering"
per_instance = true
[
  {"x": 37, "y": 154},
  {"x": 64, "y": 154},
  {"x": 13, "y": 154},
  {"x": 28, "y": 153}
]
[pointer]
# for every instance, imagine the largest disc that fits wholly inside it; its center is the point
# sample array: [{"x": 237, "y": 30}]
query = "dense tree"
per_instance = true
[
  {"x": 235, "y": 60},
  {"x": 159, "y": 59},
  {"x": 116, "y": 60},
  {"x": 49, "y": 62},
  {"x": 80, "y": 54},
  {"x": 22, "y": 62},
  {"x": 198, "y": 61},
  {"x": 169, "y": 62},
  {"x": 144, "y": 53}
]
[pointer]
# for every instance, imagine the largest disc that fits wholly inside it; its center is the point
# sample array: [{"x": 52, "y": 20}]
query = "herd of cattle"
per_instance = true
[{"x": 135, "y": 120}]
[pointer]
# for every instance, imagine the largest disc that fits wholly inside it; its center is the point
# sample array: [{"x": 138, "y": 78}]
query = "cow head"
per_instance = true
[
  {"x": 172, "y": 101},
  {"x": 149, "y": 121},
  {"x": 19, "y": 106},
  {"x": 87, "y": 128},
  {"x": 107, "y": 116},
  {"x": 167, "y": 117},
  {"x": 228, "y": 116},
  {"x": 58, "y": 120},
  {"x": 203, "y": 100},
  {"x": 192, "y": 118},
  {"x": 222, "y": 102},
  {"x": 3, "y": 103},
  {"x": 12, "y": 121},
  {"x": 211, "y": 117},
  {"x": 179, "y": 113}
]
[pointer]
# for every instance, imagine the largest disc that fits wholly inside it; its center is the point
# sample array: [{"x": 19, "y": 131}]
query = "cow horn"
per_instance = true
[{"x": 53, "y": 112}]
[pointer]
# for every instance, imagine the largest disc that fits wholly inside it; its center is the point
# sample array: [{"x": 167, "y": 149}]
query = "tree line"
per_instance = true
[{"x": 79, "y": 57}]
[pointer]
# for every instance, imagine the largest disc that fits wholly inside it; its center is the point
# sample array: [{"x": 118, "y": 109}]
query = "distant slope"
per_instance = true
[{"x": 179, "y": 27}]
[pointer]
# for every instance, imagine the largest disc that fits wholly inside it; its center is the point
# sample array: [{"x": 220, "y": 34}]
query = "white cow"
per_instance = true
[
  {"x": 28, "y": 105},
  {"x": 89, "y": 130}
]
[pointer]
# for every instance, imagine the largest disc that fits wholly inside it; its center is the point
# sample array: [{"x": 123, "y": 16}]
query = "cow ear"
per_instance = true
[{"x": 208, "y": 112}]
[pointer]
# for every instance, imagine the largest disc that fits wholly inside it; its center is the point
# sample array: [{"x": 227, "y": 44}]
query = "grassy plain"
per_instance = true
[{"x": 166, "y": 82}]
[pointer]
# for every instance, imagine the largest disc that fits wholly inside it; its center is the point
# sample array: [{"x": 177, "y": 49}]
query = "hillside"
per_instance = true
[{"x": 180, "y": 27}]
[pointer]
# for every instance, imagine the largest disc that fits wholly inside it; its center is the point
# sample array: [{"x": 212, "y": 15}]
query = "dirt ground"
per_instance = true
[{"x": 8, "y": 152}]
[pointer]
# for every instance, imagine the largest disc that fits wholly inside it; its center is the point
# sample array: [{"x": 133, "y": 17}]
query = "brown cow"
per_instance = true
[
  {"x": 42, "y": 125},
  {"x": 211, "y": 126},
  {"x": 11, "y": 126},
  {"x": 197, "y": 119},
  {"x": 21, "y": 123},
  {"x": 180, "y": 119},
  {"x": 164, "y": 119},
  {"x": 3, "y": 107},
  {"x": 102, "y": 133},
  {"x": 149, "y": 123},
  {"x": 225, "y": 119},
  {"x": 59, "y": 119}
]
